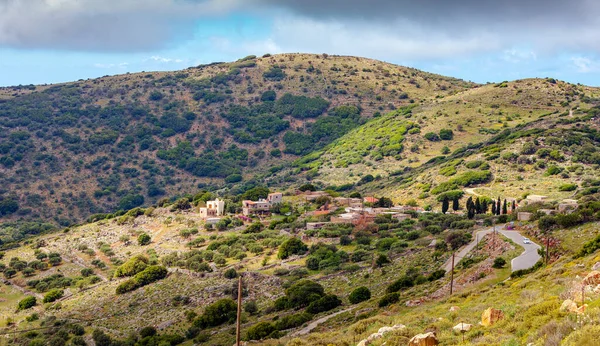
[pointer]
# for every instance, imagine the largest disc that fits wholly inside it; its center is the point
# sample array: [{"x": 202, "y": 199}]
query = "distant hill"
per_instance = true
[{"x": 70, "y": 150}]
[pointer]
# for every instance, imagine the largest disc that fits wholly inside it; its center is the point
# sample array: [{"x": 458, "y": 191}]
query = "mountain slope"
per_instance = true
[{"x": 74, "y": 149}]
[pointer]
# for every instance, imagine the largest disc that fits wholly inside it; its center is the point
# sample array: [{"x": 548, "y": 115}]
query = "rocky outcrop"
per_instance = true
[
  {"x": 568, "y": 306},
  {"x": 490, "y": 316},
  {"x": 427, "y": 339},
  {"x": 593, "y": 278},
  {"x": 380, "y": 333}
]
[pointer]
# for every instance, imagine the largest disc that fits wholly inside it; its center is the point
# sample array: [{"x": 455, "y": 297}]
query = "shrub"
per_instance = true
[
  {"x": 144, "y": 239},
  {"x": 292, "y": 321},
  {"x": 230, "y": 274},
  {"x": 567, "y": 187},
  {"x": 589, "y": 248},
  {"x": 53, "y": 295},
  {"x": 145, "y": 277},
  {"x": 260, "y": 331},
  {"x": 325, "y": 303},
  {"x": 382, "y": 260},
  {"x": 553, "y": 170},
  {"x": 133, "y": 266},
  {"x": 546, "y": 223},
  {"x": 359, "y": 295},
  {"x": 389, "y": 299},
  {"x": 446, "y": 134},
  {"x": 217, "y": 313},
  {"x": 147, "y": 331},
  {"x": 431, "y": 136},
  {"x": 292, "y": 246},
  {"x": 499, "y": 262},
  {"x": 251, "y": 307},
  {"x": 303, "y": 292},
  {"x": 27, "y": 303}
]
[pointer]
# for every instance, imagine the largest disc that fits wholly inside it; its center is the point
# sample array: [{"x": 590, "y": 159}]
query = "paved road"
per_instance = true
[
  {"x": 524, "y": 261},
  {"x": 316, "y": 323}
]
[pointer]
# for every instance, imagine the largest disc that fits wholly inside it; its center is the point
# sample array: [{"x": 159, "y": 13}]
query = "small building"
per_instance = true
[
  {"x": 524, "y": 216},
  {"x": 261, "y": 206},
  {"x": 275, "y": 198},
  {"x": 371, "y": 200},
  {"x": 537, "y": 198},
  {"x": 213, "y": 208}
]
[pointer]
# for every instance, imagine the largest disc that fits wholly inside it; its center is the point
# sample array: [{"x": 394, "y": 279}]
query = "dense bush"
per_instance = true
[
  {"x": 360, "y": 294},
  {"x": 292, "y": 246},
  {"x": 27, "y": 303},
  {"x": 144, "y": 239},
  {"x": 260, "y": 331},
  {"x": 292, "y": 321},
  {"x": 432, "y": 136},
  {"x": 143, "y": 278},
  {"x": 389, "y": 299},
  {"x": 589, "y": 248},
  {"x": 499, "y": 262},
  {"x": 325, "y": 303},
  {"x": 132, "y": 266},
  {"x": 53, "y": 295},
  {"x": 303, "y": 292},
  {"x": 446, "y": 134},
  {"x": 217, "y": 313}
]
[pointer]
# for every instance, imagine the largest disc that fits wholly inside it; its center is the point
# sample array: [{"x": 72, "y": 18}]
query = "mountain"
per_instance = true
[{"x": 94, "y": 146}]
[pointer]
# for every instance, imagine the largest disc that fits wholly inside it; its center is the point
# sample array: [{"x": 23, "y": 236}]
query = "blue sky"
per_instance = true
[{"x": 49, "y": 41}]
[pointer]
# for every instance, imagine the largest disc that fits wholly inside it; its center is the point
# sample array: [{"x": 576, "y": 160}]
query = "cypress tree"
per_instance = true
[
  {"x": 455, "y": 205},
  {"x": 484, "y": 206},
  {"x": 477, "y": 206},
  {"x": 504, "y": 208},
  {"x": 445, "y": 205},
  {"x": 498, "y": 206},
  {"x": 493, "y": 208},
  {"x": 514, "y": 206}
]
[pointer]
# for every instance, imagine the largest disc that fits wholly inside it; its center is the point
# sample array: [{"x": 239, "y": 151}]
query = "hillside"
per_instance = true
[
  {"x": 91, "y": 146},
  {"x": 164, "y": 275},
  {"x": 516, "y": 131}
]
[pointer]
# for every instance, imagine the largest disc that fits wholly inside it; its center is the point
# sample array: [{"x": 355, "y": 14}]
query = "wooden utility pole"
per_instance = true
[
  {"x": 547, "y": 249},
  {"x": 452, "y": 275},
  {"x": 239, "y": 312}
]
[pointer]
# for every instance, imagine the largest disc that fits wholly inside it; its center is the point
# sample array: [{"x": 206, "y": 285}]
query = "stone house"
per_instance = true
[{"x": 212, "y": 209}]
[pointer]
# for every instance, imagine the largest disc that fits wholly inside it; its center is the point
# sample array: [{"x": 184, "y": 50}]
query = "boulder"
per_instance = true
[
  {"x": 379, "y": 334},
  {"x": 490, "y": 316},
  {"x": 593, "y": 278},
  {"x": 462, "y": 327},
  {"x": 568, "y": 306},
  {"x": 427, "y": 339},
  {"x": 596, "y": 266},
  {"x": 454, "y": 308}
]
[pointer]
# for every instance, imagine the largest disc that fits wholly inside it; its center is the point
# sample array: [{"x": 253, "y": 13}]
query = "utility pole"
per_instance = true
[
  {"x": 239, "y": 312},
  {"x": 547, "y": 249},
  {"x": 452, "y": 275}
]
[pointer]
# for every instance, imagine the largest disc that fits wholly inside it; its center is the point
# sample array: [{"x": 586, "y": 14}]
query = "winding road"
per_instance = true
[{"x": 524, "y": 261}]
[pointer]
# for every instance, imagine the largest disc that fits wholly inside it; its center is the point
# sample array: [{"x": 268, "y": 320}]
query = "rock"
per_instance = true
[
  {"x": 581, "y": 310},
  {"x": 597, "y": 289},
  {"x": 384, "y": 330},
  {"x": 596, "y": 266},
  {"x": 491, "y": 316},
  {"x": 568, "y": 306},
  {"x": 427, "y": 339},
  {"x": 462, "y": 327},
  {"x": 454, "y": 308},
  {"x": 379, "y": 334},
  {"x": 593, "y": 278}
]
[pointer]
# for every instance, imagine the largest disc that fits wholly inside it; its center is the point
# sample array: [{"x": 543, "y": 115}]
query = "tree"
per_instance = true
[
  {"x": 382, "y": 260},
  {"x": 292, "y": 246},
  {"x": 217, "y": 313},
  {"x": 359, "y": 295},
  {"x": 499, "y": 262},
  {"x": 251, "y": 307},
  {"x": 493, "y": 208},
  {"x": 260, "y": 331},
  {"x": 455, "y": 205},
  {"x": 325, "y": 303},
  {"x": 230, "y": 273},
  {"x": 457, "y": 239},
  {"x": 256, "y": 193},
  {"x": 513, "y": 206},
  {"x": 27, "y": 303},
  {"x": 147, "y": 331},
  {"x": 504, "y": 208},
  {"x": 53, "y": 295},
  {"x": 498, "y": 206},
  {"x": 446, "y": 134},
  {"x": 384, "y": 202},
  {"x": 445, "y": 205},
  {"x": 478, "y": 209},
  {"x": 144, "y": 239},
  {"x": 303, "y": 292}
]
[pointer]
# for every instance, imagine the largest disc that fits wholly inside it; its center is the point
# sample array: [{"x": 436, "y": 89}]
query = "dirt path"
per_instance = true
[
  {"x": 316, "y": 323},
  {"x": 23, "y": 289}
]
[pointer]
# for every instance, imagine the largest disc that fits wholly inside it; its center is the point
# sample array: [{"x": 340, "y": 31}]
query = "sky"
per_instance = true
[{"x": 50, "y": 41}]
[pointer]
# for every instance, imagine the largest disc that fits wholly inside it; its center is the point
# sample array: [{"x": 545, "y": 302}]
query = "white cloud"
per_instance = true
[
  {"x": 165, "y": 60},
  {"x": 585, "y": 65},
  {"x": 122, "y": 65},
  {"x": 515, "y": 55}
]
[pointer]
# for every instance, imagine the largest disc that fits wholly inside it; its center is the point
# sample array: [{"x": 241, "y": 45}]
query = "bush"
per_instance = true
[
  {"x": 567, "y": 187},
  {"x": 147, "y": 331},
  {"x": 144, "y": 239},
  {"x": 143, "y": 278},
  {"x": 133, "y": 266},
  {"x": 431, "y": 136},
  {"x": 27, "y": 303},
  {"x": 217, "y": 313},
  {"x": 326, "y": 303},
  {"x": 436, "y": 275},
  {"x": 230, "y": 274},
  {"x": 389, "y": 299},
  {"x": 589, "y": 248},
  {"x": 303, "y": 292},
  {"x": 446, "y": 134},
  {"x": 53, "y": 295},
  {"x": 292, "y": 246},
  {"x": 359, "y": 295},
  {"x": 499, "y": 262},
  {"x": 260, "y": 331},
  {"x": 382, "y": 260},
  {"x": 251, "y": 307}
]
